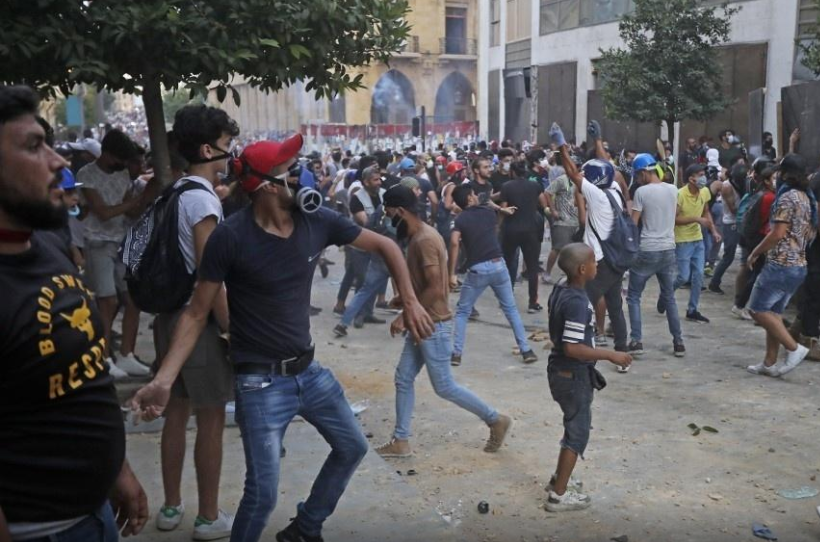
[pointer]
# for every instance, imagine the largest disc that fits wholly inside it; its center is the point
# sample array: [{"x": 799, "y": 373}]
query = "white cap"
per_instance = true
[{"x": 88, "y": 145}]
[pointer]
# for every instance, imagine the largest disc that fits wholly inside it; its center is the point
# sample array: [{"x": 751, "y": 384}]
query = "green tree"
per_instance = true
[
  {"x": 811, "y": 48},
  {"x": 668, "y": 70},
  {"x": 141, "y": 47},
  {"x": 174, "y": 101}
]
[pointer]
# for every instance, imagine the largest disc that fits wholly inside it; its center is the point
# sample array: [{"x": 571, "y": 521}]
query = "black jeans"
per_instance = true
[
  {"x": 810, "y": 305},
  {"x": 607, "y": 284},
  {"x": 530, "y": 245},
  {"x": 355, "y": 269},
  {"x": 742, "y": 295}
]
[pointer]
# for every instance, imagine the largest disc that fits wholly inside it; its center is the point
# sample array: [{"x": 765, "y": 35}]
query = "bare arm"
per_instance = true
[
  {"x": 710, "y": 224},
  {"x": 455, "y": 239},
  {"x": 619, "y": 178},
  {"x": 584, "y": 352},
  {"x": 600, "y": 151},
  {"x": 729, "y": 197},
  {"x": 433, "y": 205},
  {"x": 360, "y": 218},
  {"x": 636, "y": 217},
  {"x": 570, "y": 167},
  {"x": 778, "y": 232},
  {"x": 104, "y": 212},
  {"x": 415, "y": 318},
  {"x": 550, "y": 204},
  {"x": 581, "y": 203},
  {"x": 202, "y": 231}
]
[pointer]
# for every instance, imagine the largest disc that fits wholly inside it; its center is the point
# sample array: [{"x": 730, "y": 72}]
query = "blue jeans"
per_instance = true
[
  {"x": 495, "y": 275},
  {"x": 690, "y": 257},
  {"x": 375, "y": 281},
  {"x": 435, "y": 353},
  {"x": 730, "y": 240},
  {"x": 775, "y": 287},
  {"x": 97, "y": 527},
  {"x": 663, "y": 265},
  {"x": 265, "y": 406}
]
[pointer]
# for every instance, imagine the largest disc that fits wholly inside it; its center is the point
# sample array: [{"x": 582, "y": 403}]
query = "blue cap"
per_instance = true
[
  {"x": 68, "y": 182},
  {"x": 642, "y": 162},
  {"x": 407, "y": 163}
]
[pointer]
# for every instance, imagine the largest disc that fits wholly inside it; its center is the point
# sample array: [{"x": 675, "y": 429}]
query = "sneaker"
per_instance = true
[
  {"x": 709, "y": 270},
  {"x": 623, "y": 370},
  {"x": 533, "y": 308},
  {"x": 213, "y": 530},
  {"x": 115, "y": 371},
  {"x": 660, "y": 306},
  {"x": 547, "y": 279},
  {"x": 695, "y": 316},
  {"x": 455, "y": 360},
  {"x": 292, "y": 533},
  {"x": 170, "y": 517},
  {"x": 323, "y": 269},
  {"x": 383, "y": 305},
  {"x": 741, "y": 314},
  {"x": 395, "y": 448},
  {"x": 635, "y": 348},
  {"x": 314, "y": 311},
  {"x": 715, "y": 289},
  {"x": 370, "y": 319},
  {"x": 814, "y": 349},
  {"x": 574, "y": 484},
  {"x": 498, "y": 432},
  {"x": 474, "y": 315},
  {"x": 131, "y": 365},
  {"x": 600, "y": 341},
  {"x": 340, "y": 330},
  {"x": 793, "y": 359},
  {"x": 680, "y": 350},
  {"x": 571, "y": 500},
  {"x": 339, "y": 311},
  {"x": 746, "y": 314},
  {"x": 358, "y": 322},
  {"x": 529, "y": 356},
  {"x": 762, "y": 369}
]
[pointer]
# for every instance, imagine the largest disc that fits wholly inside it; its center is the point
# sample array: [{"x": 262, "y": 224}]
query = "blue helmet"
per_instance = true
[
  {"x": 643, "y": 162},
  {"x": 599, "y": 172},
  {"x": 68, "y": 181}
]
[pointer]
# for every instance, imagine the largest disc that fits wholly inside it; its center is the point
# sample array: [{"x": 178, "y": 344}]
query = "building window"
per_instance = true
[
  {"x": 455, "y": 31},
  {"x": 559, "y": 15},
  {"x": 495, "y": 23},
  {"x": 518, "y": 20}
]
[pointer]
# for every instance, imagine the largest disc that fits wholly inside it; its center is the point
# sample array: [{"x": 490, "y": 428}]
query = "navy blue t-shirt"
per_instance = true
[
  {"x": 570, "y": 320},
  {"x": 477, "y": 227},
  {"x": 268, "y": 279}
]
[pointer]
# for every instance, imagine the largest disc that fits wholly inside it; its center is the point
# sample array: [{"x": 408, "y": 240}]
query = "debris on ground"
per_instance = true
[
  {"x": 483, "y": 507},
  {"x": 622, "y": 538},
  {"x": 804, "y": 492},
  {"x": 761, "y": 531},
  {"x": 360, "y": 406}
]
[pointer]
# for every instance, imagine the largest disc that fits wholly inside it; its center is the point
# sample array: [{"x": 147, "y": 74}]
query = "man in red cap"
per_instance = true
[{"x": 266, "y": 255}]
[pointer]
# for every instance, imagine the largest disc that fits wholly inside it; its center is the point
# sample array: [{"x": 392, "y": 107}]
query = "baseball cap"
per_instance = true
[
  {"x": 68, "y": 182},
  {"x": 410, "y": 182},
  {"x": 407, "y": 163},
  {"x": 263, "y": 156},
  {"x": 793, "y": 163},
  {"x": 400, "y": 196},
  {"x": 694, "y": 168},
  {"x": 88, "y": 145}
]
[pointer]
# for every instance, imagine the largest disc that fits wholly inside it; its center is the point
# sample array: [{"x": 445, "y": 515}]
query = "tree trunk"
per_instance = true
[
  {"x": 670, "y": 128},
  {"x": 155, "y": 117}
]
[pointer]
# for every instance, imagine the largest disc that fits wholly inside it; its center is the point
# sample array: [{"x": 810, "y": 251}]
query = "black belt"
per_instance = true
[{"x": 285, "y": 367}]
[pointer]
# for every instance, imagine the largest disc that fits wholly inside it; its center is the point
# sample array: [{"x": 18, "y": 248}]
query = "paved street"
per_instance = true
[{"x": 649, "y": 478}]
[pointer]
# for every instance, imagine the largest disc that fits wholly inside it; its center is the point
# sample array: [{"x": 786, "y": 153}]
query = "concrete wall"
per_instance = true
[{"x": 759, "y": 21}]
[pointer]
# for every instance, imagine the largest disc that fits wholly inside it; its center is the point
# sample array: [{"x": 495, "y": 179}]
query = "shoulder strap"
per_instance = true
[{"x": 612, "y": 204}]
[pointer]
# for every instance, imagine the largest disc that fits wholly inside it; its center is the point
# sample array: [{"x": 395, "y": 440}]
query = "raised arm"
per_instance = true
[{"x": 557, "y": 136}]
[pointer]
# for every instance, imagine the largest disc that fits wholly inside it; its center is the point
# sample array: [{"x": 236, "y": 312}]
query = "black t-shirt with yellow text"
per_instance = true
[{"x": 62, "y": 440}]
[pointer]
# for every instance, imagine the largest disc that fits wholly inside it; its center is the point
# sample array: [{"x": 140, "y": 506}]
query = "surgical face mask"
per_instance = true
[
  {"x": 505, "y": 167},
  {"x": 544, "y": 163},
  {"x": 702, "y": 181},
  {"x": 429, "y": 164}
]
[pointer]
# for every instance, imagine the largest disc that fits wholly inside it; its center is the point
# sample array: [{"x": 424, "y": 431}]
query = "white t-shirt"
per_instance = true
[
  {"x": 112, "y": 188},
  {"x": 194, "y": 207},
  {"x": 599, "y": 214}
]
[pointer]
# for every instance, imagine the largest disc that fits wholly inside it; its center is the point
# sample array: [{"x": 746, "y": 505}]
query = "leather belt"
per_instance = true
[{"x": 285, "y": 367}]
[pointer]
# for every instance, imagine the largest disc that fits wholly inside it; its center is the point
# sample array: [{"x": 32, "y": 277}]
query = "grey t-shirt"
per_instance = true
[
  {"x": 658, "y": 204},
  {"x": 563, "y": 191},
  {"x": 194, "y": 207},
  {"x": 112, "y": 188}
]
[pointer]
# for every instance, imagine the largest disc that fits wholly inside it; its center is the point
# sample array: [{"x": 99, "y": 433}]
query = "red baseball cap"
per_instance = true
[{"x": 263, "y": 156}]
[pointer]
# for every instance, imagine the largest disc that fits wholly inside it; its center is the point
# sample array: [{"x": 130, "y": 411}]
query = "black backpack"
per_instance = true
[
  {"x": 752, "y": 219},
  {"x": 157, "y": 278},
  {"x": 621, "y": 247}
]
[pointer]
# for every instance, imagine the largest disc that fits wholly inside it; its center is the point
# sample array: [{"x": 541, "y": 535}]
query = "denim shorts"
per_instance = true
[
  {"x": 572, "y": 390},
  {"x": 775, "y": 287}
]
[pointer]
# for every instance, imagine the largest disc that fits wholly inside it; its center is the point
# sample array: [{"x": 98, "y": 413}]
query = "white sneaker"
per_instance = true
[
  {"x": 574, "y": 484},
  {"x": 762, "y": 369},
  {"x": 793, "y": 359},
  {"x": 601, "y": 341},
  {"x": 132, "y": 366},
  {"x": 571, "y": 500},
  {"x": 741, "y": 314},
  {"x": 115, "y": 371},
  {"x": 622, "y": 370},
  {"x": 170, "y": 517},
  {"x": 213, "y": 530}
]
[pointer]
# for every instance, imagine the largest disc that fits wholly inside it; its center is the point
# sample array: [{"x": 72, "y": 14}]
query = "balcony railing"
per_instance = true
[
  {"x": 411, "y": 45},
  {"x": 459, "y": 46}
]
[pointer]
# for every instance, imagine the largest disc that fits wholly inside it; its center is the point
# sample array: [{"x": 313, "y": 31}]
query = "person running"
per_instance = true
[
  {"x": 475, "y": 228},
  {"x": 427, "y": 261},
  {"x": 692, "y": 213},
  {"x": 653, "y": 209},
  {"x": 266, "y": 255},
  {"x": 204, "y": 138},
  {"x": 571, "y": 372},
  {"x": 794, "y": 227},
  {"x": 63, "y": 472}
]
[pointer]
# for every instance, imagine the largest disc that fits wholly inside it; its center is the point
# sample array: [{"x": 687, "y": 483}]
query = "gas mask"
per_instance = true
[
  {"x": 304, "y": 193},
  {"x": 74, "y": 211}
]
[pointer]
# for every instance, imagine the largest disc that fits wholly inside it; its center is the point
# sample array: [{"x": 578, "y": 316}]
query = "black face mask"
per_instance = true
[{"x": 400, "y": 225}]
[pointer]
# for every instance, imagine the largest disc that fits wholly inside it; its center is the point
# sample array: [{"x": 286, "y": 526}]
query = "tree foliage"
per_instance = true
[
  {"x": 669, "y": 69},
  {"x": 146, "y": 45},
  {"x": 811, "y": 50}
]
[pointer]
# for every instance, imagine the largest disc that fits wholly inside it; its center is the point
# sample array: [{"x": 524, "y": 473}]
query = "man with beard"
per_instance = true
[
  {"x": 63, "y": 475},
  {"x": 266, "y": 255}
]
